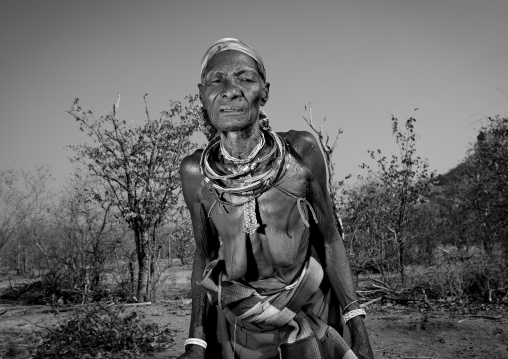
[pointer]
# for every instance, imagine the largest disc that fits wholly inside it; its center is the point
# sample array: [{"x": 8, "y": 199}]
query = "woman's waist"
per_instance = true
[{"x": 282, "y": 279}]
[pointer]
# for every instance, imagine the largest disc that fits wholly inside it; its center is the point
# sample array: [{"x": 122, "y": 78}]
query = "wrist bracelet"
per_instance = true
[
  {"x": 196, "y": 341},
  {"x": 353, "y": 302},
  {"x": 354, "y": 313}
]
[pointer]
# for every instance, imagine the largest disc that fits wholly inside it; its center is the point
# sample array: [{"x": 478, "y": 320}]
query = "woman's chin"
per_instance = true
[{"x": 228, "y": 123}]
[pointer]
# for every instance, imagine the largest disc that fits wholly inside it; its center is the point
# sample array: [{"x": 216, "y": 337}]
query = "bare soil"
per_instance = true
[{"x": 395, "y": 331}]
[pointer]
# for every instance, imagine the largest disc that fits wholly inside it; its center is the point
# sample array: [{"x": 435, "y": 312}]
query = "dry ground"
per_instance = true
[{"x": 395, "y": 331}]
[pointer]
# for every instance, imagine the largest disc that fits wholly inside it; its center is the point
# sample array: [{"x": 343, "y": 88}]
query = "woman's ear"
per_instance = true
[
  {"x": 266, "y": 94},
  {"x": 200, "y": 93}
]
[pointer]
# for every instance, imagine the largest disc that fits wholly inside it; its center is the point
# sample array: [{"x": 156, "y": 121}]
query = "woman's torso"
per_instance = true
[{"x": 274, "y": 255}]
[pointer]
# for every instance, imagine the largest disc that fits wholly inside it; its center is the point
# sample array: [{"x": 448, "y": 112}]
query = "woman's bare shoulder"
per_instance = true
[
  {"x": 191, "y": 176},
  {"x": 302, "y": 141},
  {"x": 305, "y": 147},
  {"x": 190, "y": 164}
]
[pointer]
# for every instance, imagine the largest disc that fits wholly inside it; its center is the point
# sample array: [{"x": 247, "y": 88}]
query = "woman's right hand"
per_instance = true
[{"x": 193, "y": 351}]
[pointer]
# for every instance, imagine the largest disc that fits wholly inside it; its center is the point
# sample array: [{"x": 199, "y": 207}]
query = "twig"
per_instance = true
[
  {"x": 62, "y": 309},
  {"x": 481, "y": 316},
  {"x": 363, "y": 305},
  {"x": 380, "y": 282},
  {"x": 175, "y": 301},
  {"x": 385, "y": 349},
  {"x": 399, "y": 300},
  {"x": 426, "y": 299},
  {"x": 369, "y": 291},
  {"x": 384, "y": 288},
  {"x": 137, "y": 304},
  {"x": 25, "y": 307},
  {"x": 38, "y": 326}
]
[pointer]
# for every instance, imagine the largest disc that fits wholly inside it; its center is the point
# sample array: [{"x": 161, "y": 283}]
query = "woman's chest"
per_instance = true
[
  {"x": 274, "y": 211},
  {"x": 265, "y": 234}
]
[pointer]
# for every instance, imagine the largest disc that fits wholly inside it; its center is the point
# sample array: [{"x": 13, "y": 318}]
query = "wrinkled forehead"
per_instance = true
[
  {"x": 236, "y": 45},
  {"x": 231, "y": 61}
]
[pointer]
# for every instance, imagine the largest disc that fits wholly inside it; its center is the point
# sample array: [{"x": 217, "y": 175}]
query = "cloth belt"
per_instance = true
[{"x": 301, "y": 335}]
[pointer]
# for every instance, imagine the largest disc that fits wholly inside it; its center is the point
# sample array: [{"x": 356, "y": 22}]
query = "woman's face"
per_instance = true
[{"x": 233, "y": 91}]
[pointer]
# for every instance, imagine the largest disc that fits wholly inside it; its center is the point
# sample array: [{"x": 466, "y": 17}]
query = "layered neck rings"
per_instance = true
[{"x": 243, "y": 182}]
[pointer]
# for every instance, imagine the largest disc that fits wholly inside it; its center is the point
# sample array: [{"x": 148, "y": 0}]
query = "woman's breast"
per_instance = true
[
  {"x": 282, "y": 231},
  {"x": 278, "y": 248}
]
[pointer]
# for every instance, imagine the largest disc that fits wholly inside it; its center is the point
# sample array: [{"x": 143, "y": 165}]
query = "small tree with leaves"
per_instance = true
[
  {"x": 486, "y": 183},
  {"x": 139, "y": 168},
  {"x": 399, "y": 183}
]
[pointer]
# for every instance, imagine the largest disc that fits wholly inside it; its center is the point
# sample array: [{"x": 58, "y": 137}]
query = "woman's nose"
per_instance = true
[{"x": 231, "y": 90}]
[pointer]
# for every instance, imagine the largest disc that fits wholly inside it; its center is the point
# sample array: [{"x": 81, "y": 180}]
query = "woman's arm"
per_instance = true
[
  {"x": 327, "y": 241},
  {"x": 207, "y": 247}
]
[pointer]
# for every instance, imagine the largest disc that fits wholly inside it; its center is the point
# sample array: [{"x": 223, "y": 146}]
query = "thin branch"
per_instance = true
[
  {"x": 489, "y": 317},
  {"x": 146, "y": 108},
  {"x": 36, "y": 325},
  {"x": 388, "y": 348}
]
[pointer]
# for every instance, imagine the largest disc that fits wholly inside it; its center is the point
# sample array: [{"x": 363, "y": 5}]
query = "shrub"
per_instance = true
[
  {"x": 101, "y": 331},
  {"x": 479, "y": 277}
]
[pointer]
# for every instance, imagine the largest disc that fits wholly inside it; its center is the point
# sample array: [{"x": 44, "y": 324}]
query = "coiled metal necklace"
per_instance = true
[{"x": 242, "y": 183}]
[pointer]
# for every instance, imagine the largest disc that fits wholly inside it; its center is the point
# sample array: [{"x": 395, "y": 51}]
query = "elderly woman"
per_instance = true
[{"x": 270, "y": 272}]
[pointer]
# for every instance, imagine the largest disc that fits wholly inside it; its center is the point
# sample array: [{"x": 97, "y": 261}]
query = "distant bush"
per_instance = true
[{"x": 478, "y": 277}]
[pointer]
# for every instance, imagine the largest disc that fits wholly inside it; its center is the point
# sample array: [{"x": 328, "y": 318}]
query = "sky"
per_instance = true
[{"x": 358, "y": 62}]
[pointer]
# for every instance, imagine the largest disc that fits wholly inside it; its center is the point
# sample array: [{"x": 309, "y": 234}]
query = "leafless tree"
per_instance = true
[{"x": 327, "y": 149}]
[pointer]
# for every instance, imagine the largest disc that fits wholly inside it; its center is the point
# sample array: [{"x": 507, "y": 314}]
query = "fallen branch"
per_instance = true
[
  {"x": 481, "y": 317},
  {"x": 36, "y": 325},
  {"x": 77, "y": 306},
  {"x": 67, "y": 308},
  {"x": 363, "y": 292},
  {"x": 175, "y": 301},
  {"x": 426, "y": 300},
  {"x": 381, "y": 282},
  {"x": 399, "y": 300},
  {"x": 27, "y": 307},
  {"x": 384, "y": 288},
  {"x": 137, "y": 304},
  {"x": 363, "y": 305},
  {"x": 385, "y": 349}
]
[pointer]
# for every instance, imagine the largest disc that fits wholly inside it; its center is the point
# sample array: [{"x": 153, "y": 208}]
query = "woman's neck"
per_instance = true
[{"x": 239, "y": 144}]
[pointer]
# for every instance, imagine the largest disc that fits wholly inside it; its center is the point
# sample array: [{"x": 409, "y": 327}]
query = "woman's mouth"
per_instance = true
[{"x": 230, "y": 109}]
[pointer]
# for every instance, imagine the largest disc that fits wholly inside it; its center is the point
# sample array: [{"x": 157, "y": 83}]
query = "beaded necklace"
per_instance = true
[{"x": 249, "y": 157}]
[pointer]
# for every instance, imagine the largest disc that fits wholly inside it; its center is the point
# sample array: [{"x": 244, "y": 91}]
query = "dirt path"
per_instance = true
[
  {"x": 405, "y": 333},
  {"x": 396, "y": 332}
]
